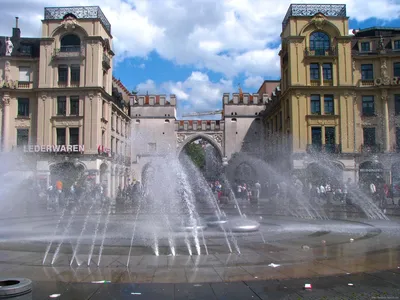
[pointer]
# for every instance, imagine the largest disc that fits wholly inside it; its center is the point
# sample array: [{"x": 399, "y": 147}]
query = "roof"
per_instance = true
[
  {"x": 80, "y": 12},
  {"x": 121, "y": 86},
  {"x": 377, "y": 31},
  {"x": 23, "y": 47}
]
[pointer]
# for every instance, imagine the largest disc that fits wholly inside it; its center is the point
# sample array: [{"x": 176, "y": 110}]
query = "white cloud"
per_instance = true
[
  {"x": 227, "y": 36},
  {"x": 195, "y": 94},
  {"x": 253, "y": 81},
  {"x": 224, "y": 36},
  {"x": 149, "y": 86}
]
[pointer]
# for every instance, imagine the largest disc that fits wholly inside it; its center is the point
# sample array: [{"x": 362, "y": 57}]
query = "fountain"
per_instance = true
[{"x": 176, "y": 214}]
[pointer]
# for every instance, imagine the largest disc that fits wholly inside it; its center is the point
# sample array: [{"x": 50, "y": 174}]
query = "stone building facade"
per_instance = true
[
  {"x": 335, "y": 108},
  {"x": 59, "y": 110}
]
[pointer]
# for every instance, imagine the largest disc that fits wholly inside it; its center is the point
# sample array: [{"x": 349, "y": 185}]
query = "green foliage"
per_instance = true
[{"x": 197, "y": 154}]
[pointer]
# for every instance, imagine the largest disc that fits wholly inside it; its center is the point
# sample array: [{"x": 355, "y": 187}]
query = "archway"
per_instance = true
[
  {"x": 395, "y": 170},
  {"x": 370, "y": 172},
  {"x": 245, "y": 173},
  {"x": 205, "y": 154},
  {"x": 103, "y": 174},
  {"x": 148, "y": 172},
  {"x": 67, "y": 173},
  {"x": 325, "y": 173}
]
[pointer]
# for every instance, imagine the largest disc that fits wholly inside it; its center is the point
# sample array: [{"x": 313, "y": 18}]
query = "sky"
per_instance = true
[{"x": 195, "y": 49}]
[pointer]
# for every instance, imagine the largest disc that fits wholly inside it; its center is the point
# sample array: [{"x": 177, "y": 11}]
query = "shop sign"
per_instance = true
[
  {"x": 103, "y": 151},
  {"x": 387, "y": 81},
  {"x": 54, "y": 148}
]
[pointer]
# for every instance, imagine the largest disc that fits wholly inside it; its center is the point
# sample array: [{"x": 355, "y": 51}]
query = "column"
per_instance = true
[
  {"x": 386, "y": 120},
  {"x": 69, "y": 76},
  {"x": 321, "y": 74},
  {"x": 6, "y": 123}
]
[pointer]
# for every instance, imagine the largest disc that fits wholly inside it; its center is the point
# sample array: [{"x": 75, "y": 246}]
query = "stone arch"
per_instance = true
[
  {"x": 68, "y": 172},
  {"x": 104, "y": 170},
  {"x": 245, "y": 173},
  {"x": 197, "y": 136},
  {"x": 325, "y": 172},
  {"x": 77, "y": 30},
  {"x": 370, "y": 171},
  {"x": 320, "y": 23},
  {"x": 147, "y": 170}
]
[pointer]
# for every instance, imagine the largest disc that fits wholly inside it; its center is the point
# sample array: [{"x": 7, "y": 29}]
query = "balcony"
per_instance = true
[
  {"x": 367, "y": 82},
  {"x": 66, "y": 52},
  {"x": 330, "y": 52},
  {"x": 324, "y": 148},
  {"x": 25, "y": 85},
  {"x": 371, "y": 149},
  {"x": 106, "y": 62}
]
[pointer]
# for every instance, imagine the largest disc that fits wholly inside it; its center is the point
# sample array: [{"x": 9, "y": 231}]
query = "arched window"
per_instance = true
[
  {"x": 319, "y": 42},
  {"x": 70, "y": 43}
]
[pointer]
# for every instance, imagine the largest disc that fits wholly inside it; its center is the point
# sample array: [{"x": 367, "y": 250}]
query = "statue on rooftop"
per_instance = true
[{"x": 9, "y": 47}]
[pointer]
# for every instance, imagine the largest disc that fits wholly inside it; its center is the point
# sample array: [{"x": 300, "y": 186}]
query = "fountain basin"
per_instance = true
[
  {"x": 241, "y": 225},
  {"x": 188, "y": 226},
  {"x": 216, "y": 221},
  {"x": 11, "y": 288}
]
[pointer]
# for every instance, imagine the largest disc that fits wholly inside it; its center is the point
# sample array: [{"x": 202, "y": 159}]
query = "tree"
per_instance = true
[{"x": 197, "y": 155}]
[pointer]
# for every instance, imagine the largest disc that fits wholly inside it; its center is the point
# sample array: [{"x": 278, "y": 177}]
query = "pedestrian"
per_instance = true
[{"x": 257, "y": 186}]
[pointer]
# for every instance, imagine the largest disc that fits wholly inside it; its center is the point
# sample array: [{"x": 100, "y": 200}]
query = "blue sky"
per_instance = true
[{"x": 196, "y": 49}]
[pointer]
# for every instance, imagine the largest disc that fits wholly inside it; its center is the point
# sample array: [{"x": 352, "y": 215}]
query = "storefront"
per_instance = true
[{"x": 371, "y": 172}]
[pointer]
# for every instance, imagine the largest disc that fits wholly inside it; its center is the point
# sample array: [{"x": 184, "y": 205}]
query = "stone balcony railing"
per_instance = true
[
  {"x": 371, "y": 149},
  {"x": 25, "y": 85},
  {"x": 199, "y": 125},
  {"x": 324, "y": 148},
  {"x": 328, "y": 52},
  {"x": 69, "y": 52}
]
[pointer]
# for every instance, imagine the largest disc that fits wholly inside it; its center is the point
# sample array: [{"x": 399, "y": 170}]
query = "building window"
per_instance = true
[
  {"x": 316, "y": 138},
  {"x": 368, "y": 106},
  {"x": 319, "y": 42},
  {"x": 329, "y": 108},
  {"x": 397, "y": 105},
  {"x": 314, "y": 71},
  {"x": 75, "y": 74},
  {"x": 63, "y": 74},
  {"x": 61, "y": 135},
  {"x": 74, "y": 105},
  {"x": 330, "y": 140},
  {"x": 22, "y": 137},
  {"x": 397, "y": 139},
  {"x": 396, "y": 69},
  {"x": 396, "y": 45},
  {"x": 327, "y": 71},
  {"x": 365, "y": 47},
  {"x": 61, "y": 105},
  {"x": 74, "y": 136},
  {"x": 367, "y": 72},
  {"x": 70, "y": 43},
  {"x": 315, "y": 105},
  {"x": 369, "y": 136},
  {"x": 24, "y": 74},
  {"x": 23, "y": 107}
]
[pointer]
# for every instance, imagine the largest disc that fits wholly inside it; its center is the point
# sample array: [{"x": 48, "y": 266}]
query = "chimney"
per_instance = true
[{"x": 16, "y": 34}]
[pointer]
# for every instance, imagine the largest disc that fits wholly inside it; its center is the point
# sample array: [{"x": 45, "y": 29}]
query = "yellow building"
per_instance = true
[
  {"x": 59, "y": 109},
  {"x": 335, "y": 110}
]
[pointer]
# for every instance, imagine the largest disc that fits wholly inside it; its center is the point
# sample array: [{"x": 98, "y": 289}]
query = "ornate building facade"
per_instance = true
[
  {"x": 61, "y": 109},
  {"x": 336, "y": 106}
]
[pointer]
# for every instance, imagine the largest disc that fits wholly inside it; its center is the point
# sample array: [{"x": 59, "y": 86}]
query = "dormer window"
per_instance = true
[
  {"x": 70, "y": 43},
  {"x": 365, "y": 46},
  {"x": 396, "y": 45},
  {"x": 319, "y": 42}
]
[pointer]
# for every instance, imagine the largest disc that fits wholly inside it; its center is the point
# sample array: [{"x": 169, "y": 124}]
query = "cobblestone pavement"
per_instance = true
[{"x": 346, "y": 258}]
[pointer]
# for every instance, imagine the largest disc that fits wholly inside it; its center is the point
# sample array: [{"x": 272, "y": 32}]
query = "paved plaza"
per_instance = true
[{"x": 355, "y": 258}]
